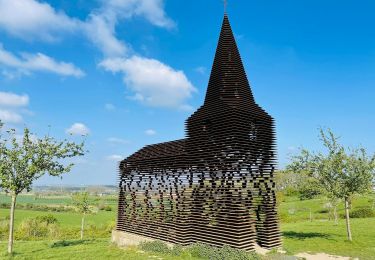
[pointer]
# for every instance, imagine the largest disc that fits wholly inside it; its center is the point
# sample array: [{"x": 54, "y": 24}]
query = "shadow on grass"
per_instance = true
[
  {"x": 65, "y": 243},
  {"x": 304, "y": 235}
]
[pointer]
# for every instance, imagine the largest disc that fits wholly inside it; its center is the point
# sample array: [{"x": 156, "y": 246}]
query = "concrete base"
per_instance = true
[{"x": 124, "y": 239}]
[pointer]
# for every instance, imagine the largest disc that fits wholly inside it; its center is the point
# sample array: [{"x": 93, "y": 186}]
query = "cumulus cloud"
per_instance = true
[
  {"x": 78, "y": 129},
  {"x": 100, "y": 26},
  {"x": 101, "y": 32},
  {"x": 13, "y": 100},
  {"x": 30, "y": 19},
  {"x": 150, "y": 132},
  {"x": 153, "y": 82},
  {"x": 8, "y": 116},
  {"x": 114, "y": 157},
  {"x": 38, "y": 62},
  {"x": 12, "y": 107},
  {"x": 115, "y": 140}
]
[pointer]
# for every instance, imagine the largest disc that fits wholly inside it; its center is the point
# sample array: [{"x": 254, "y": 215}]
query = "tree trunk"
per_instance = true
[
  {"x": 82, "y": 225},
  {"x": 347, "y": 219},
  {"x": 335, "y": 214},
  {"x": 11, "y": 223}
]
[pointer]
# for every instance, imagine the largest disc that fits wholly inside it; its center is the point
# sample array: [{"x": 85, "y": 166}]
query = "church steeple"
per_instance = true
[{"x": 228, "y": 80}]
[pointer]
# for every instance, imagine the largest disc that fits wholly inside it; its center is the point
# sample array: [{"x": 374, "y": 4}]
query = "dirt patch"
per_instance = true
[{"x": 322, "y": 256}]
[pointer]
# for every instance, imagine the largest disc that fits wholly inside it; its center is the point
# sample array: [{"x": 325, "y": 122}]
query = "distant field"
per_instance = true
[
  {"x": 55, "y": 200},
  {"x": 65, "y": 219}
]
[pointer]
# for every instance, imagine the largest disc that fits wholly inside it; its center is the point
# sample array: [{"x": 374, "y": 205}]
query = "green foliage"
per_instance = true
[
  {"x": 49, "y": 219},
  {"x": 297, "y": 183},
  {"x": 39, "y": 227},
  {"x": 24, "y": 161},
  {"x": 44, "y": 208},
  {"x": 340, "y": 173},
  {"x": 362, "y": 213},
  {"x": 81, "y": 202},
  {"x": 205, "y": 251},
  {"x": 155, "y": 246}
]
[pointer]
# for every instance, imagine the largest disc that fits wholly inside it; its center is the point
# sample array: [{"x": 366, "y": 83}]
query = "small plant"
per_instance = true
[
  {"x": 49, "y": 219},
  {"x": 204, "y": 251},
  {"x": 155, "y": 246}
]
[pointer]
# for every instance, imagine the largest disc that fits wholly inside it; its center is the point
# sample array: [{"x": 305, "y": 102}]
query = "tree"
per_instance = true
[
  {"x": 81, "y": 201},
  {"x": 341, "y": 173},
  {"x": 26, "y": 159}
]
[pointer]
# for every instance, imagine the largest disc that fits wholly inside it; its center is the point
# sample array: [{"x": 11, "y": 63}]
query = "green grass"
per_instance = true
[
  {"x": 300, "y": 235},
  {"x": 65, "y": 219},
  {"x": 324, "y": 236},
  {"x": 76, "y": 249},
  {"x": 293, "y": 209}
]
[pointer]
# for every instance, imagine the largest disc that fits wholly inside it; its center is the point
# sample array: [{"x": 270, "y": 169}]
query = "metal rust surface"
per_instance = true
[{"x": 216, "y": 186}]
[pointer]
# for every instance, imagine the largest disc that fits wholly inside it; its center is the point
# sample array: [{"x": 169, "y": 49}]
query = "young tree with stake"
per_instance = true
[
  {"x": 341, "y": 173},
  {"x": 26, "y": 160},
  {"x": 81, "y": 200}
]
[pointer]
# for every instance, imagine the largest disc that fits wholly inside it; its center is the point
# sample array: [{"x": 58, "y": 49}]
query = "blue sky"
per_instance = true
[{"x": 128, "y": 73}]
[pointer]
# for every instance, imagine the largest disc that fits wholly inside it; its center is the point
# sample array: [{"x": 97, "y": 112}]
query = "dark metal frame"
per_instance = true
[{"x": 216, "y": 186}]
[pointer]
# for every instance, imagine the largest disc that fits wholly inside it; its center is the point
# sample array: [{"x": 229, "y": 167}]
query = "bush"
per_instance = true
[
  {"x": 49, "y": 219},
  {"x": 362, "y": 213},
  {"x": 225, "y": 253},
  {"x": 34, "y": 228},
  {"x": 108, "y": 208},
  {"x": 155, "y": 246}
]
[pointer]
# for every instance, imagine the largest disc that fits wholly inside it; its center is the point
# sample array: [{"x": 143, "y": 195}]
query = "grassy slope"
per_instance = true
[{"x": 89, "y": 249}]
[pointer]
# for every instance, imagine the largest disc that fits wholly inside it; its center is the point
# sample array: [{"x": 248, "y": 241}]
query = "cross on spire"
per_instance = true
[{"x": 225, "y": 5}]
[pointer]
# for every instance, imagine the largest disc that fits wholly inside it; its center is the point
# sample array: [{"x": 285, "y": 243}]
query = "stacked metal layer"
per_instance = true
[{"x": 215, "y": 186}]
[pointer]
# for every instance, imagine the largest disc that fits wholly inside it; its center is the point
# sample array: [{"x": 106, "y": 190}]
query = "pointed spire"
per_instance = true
[{"x": 228, "y": 80}]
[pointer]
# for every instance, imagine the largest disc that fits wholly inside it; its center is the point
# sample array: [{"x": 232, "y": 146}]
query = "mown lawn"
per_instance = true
[
  {"x": 76, "y": 249},
  {"x": 324, "y": 236}
]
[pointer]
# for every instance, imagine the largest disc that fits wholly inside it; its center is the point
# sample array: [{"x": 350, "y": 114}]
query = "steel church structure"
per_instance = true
[{"x": 216, "y": 186}]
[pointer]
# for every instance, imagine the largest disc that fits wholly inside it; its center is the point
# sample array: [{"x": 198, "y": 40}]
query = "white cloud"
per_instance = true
[
  {"x": 101, "y": 32},
  {"x": 13, "y": 100},
  {"x": 100, "y": 26},
  {"x": 114, "y": 157},
  {"x": 78, "y": 129},
  {"x": 109, "y": 107},
  {"x": 38, "y": 62},
  {"x": 115, "y": 140},
  {"x": 201, "y": 70},
  {"x": 152, "y": 10},
  {"x": 153, "y": 83},
  {"x": 150, "y": 132},
  {"x": 30, "y": 19},
  {"x": 8, "y": 116},
  {"x": 12, "y": 107}
]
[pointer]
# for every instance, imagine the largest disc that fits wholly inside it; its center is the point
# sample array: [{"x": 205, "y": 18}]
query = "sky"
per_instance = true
[{"x": 127, "y": 73}]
